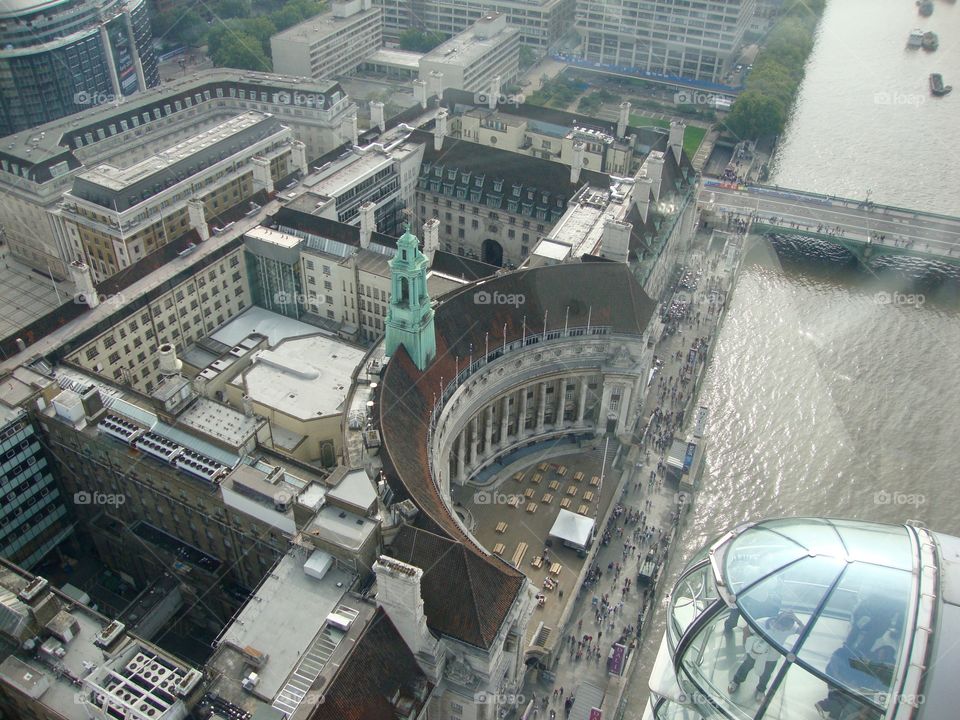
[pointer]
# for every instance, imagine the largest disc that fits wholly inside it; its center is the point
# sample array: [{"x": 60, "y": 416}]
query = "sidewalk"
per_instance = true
[{"x": 617, "y": 605}]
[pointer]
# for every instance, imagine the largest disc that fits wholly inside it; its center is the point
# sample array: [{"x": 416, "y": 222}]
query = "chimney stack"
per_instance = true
[
  {"x": 624, "y": 119},
  {"x": 677, "y": 128},
  {"x": 576, "y": 161},
  {"x": 368, "y": 223},
  {"x": 436, "y": 83},
  {"x": 494, "y": 93},
  {"x": 83, "y": 282},
  {"x": 197, "y": 214},
  {"x": 440, "y": 130},
  {"x": 431, "y": 238},
  {"x": 376, "y": 115},
  {"x": 615, "y": 244},
  {"x": 420, "y": 93},
  {"x": 641, "y": 195},
  {"x": 399, "y": 594}
]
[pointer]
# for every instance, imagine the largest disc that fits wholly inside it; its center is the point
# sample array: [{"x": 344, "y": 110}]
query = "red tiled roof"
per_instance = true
[
  {"x": 366, "y": 683},
  {"x": 467, "y": 592}
]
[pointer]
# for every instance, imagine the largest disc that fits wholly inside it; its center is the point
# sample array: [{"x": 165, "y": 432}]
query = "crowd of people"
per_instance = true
[{"x": 644, "y": 521}]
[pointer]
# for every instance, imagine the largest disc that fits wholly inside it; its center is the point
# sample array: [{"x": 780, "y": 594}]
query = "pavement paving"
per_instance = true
[{"x": 618, "y": 605}]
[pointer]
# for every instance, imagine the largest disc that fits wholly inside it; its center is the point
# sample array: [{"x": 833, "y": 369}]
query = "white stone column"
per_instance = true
[
  {"x": 582, "y": 406},
  {"x": 625, "y": 396},
  {"x": 461, "y": 451},
  {"x": 505, "y": 420},
  {"x": 488, "y": 430},
  {"x": 474, "y": 439},
  {"x": 522, "y": 420},
  {"x": 541, "y": 406}
]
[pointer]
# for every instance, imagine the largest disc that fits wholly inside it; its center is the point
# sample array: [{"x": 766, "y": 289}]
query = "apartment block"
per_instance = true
[
  {"x": 329, "y": 44},
  {"x": 697, "y": 39},
  {"x": 472, "y": 59}
]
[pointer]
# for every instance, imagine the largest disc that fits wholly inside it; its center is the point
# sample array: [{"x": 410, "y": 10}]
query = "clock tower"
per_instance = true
[{"x": 410, "y": 316}]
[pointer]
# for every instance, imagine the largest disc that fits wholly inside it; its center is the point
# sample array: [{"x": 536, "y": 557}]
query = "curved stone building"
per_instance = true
[
  {"x": 58, "y": 57},
  {"x": 523, "y": 359},
  {"x": 807, "y": 618}
]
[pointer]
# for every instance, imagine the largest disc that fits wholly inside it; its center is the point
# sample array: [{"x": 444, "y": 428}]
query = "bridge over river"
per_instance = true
[{"x": 868, "y": 230}]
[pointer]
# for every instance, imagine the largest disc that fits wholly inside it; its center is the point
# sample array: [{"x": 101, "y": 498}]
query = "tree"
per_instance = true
[
  {"x": 420, "y": 40},
  {"x": 755, "y": 115},
  {"x": 227, "y": 9},
  {"x": 240, "y": 50},
  {"x": 176, "y": 28},
  {"x": 527, "y": 56}
]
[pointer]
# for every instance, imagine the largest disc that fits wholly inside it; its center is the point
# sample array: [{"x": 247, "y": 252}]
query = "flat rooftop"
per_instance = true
[
  {"x": 321, "y": 26},
  {"x": 396, "y": 58},
  {"x": 341, "y": 527},
  {"x": 305, "y": 377},
  {"x": 467, "y": 47},
  {"x": 283, "y": 617},
  {"x": 219, "y": 421},
  {"x": 356, "y": 488},
  {"x": 26, "y": 295},
  {"x": 46, "y": 141},
  {"x": 114, "y": 178},
  {"x": 275, "y": 327}
]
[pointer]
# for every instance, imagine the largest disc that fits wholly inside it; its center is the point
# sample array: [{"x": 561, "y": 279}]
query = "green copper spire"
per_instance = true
[{"x": 410, "y": 317}]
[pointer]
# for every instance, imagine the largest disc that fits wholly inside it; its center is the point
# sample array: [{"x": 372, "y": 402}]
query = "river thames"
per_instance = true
[{"x": 826, "y": 398}]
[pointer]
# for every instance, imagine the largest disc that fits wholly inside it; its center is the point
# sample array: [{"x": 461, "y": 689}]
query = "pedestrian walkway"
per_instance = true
[{"x": 616, "y": 601}]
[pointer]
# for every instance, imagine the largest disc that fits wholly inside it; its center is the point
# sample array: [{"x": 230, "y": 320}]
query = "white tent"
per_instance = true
[{"x": 572, "y": 529}]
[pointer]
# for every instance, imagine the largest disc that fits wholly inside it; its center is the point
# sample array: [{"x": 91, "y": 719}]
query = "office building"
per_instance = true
[
  {"x": 492, "y": 205},
  {"x": 63, "y": 661},
  {"x": 38, "y": 167},
  {"x": 472, "y": 59},
  {"x": 541, "y": 23},
  {"x": 33, "y": 518},
  {"x": 57, "y": 59},
  {"x": 696, "y": 40},
  {"x": 332, "y": 43},
  {"x": 114, "y": 217},
  {"x": 850, "y": 619}
]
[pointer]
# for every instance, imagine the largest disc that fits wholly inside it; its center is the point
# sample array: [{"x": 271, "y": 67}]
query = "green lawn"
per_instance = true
[{"x": 692, "y": 136}]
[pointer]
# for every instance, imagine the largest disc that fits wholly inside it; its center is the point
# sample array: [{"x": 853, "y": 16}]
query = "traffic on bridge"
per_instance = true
[{"x": 859, "y": 221}]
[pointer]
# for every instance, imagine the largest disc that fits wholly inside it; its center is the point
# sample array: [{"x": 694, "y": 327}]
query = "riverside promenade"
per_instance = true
[{"x": 613, "y": 604}]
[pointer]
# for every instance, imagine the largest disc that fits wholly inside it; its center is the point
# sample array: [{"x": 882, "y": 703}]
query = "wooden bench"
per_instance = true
[
  {"x": 518, "y": 555},
  {"x": 528, "y": 493},
  {"x": 562, "y": 470},
  {"x": 572, "y": 490},
  {"x": 532, "y": 507},
  {"x": 588, "y": 496},
  {"x": 537, "y": 562},
  {"x": 595, "y": 480},
  {"x": 543, "y": 467},
  {"x": 518, "y": 476},
  {"x": 547, "y": 498},
  {"x": 515, "y": 501},
  {"x": 578, "y": 476},
  {"x": 556, "y": 568},
  {"x": 501, "y": 527},
  {"x": 565, "y": 503},
  {"x": 499, "y": 548},
  {"x": 554, "y": 485},
  {"x": 583, "y": 509},
  {"x": 537, "y": 477}
]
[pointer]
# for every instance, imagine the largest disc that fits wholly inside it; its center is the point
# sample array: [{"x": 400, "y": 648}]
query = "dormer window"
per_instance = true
[
  {"x": 516, "y": 191},
  {"x": 478, "y": 181},
  {"x": 497, "y": 185}
]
